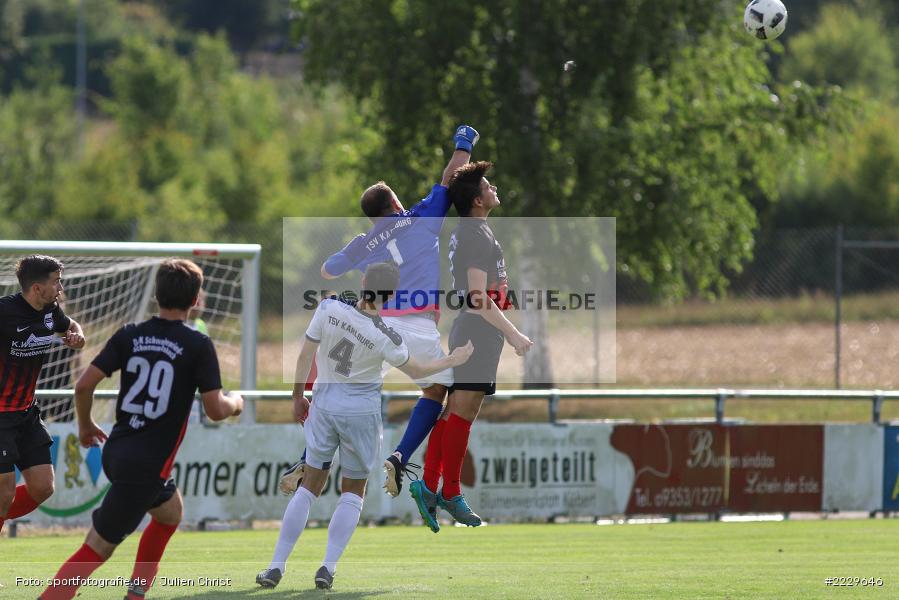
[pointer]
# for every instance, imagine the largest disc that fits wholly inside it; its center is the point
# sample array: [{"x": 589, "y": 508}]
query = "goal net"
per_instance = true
[{"x": 110, "y": 284}]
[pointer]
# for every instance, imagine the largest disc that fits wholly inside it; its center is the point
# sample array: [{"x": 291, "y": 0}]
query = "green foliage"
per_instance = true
[
  {"x": 37, "y": 138},
  {"x": 851, "y": 177},
  {"x": 856, "y": 182},
  {"x": 147, "y": 83},
  {"x": 670, "y": 120},
  {"x": 196, "y": 141},
  {"x": 845, "y": 48},
  {"x": 246, "y": 23},
  {"x": 12, "y": 24},
  {"x": 667, "y": 121},
  {"x": 47, "y": 34}
]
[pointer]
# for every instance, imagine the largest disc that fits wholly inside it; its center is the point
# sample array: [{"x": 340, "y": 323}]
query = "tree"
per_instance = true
[
  {"x": 12, "y": 24},
  {"x": 666, "y": 122},
  {"x": 191, "y": 146},
  {"x": 844, "y": 48},
  {"x": 854, "y": 182},
  {"x": 37, "y": 137},
  {"x": 245, "y": 23}
]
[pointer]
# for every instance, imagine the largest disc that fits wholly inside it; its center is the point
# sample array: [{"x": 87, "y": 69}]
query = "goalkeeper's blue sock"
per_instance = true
[{"x": 422, "y": 420}]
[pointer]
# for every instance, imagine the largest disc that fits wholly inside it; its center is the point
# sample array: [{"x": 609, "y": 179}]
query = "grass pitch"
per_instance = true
[{"x": 788, "y": 559}]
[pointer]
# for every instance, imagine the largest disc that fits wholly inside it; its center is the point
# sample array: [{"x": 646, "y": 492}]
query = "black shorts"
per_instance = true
[
  {"x": 131, "y": 495},
  {"x": 125, "y": 505},
  {"x": 24, "y": 440},
  {"x": 479, "y": 373}
]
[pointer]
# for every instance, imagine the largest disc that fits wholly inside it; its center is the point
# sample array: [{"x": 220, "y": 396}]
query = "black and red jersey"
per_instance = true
[
  {"x": 26, "y": 337},
  {"x": 473, "y": 245},
  {"x": 163, "y": 363}
]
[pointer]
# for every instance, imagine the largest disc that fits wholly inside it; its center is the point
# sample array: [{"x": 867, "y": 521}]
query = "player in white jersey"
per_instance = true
[{"x": 350, "y": 343}]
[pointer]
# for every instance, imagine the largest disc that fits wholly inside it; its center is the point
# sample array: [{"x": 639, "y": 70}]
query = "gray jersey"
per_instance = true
[{"x": 352, "y": 347}]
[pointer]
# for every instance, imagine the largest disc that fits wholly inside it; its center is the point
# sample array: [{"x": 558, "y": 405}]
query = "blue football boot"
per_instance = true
[
  {"x": 458, "y": 508},
  {"x": 426, "y": 501}
]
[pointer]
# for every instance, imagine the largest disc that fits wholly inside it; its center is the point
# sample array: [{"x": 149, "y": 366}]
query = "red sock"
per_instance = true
[
  {"x": 455, "y": 444},
  {"x": 149, "y": 553},
  {"x": 71, "y": 574},
  {"x": 22, "y": 504},
  {"x": 433, "y": 456}
]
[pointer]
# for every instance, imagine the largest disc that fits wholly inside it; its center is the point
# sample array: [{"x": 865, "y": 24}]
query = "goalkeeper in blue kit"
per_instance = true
[{"x": 410, "y": 239}]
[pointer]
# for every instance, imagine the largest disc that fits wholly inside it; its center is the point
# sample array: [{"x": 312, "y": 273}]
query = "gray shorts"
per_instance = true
[{"x": 357, "y": 436}]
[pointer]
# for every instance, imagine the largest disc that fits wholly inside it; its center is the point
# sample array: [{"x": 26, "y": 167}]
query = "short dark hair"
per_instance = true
[
  {"x": 178, "y": 283},
  {"x": 36, "y": 268},
  {"x": 376, "y": 201},
  {"x": 380, "y": 280},
  {"x": 465, "y": 185}
]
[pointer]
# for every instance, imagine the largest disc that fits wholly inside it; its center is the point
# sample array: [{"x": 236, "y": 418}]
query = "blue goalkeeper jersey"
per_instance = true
[{"x": 411, "y": 239}]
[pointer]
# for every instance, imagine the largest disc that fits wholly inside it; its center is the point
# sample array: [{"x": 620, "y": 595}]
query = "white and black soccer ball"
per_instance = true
[{"x": 765, "y": 19}]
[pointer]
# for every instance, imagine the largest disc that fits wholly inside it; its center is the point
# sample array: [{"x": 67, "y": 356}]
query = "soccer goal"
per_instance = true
[{"x": 109, "y": 284}]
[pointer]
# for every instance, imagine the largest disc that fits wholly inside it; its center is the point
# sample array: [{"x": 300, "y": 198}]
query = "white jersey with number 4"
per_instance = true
[{"x": 352, "y": 347}]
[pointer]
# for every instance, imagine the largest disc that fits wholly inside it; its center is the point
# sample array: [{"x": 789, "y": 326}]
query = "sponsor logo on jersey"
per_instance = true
[
  {"x": 35, "y": 345},
  {"x": 149, "y": 343}
]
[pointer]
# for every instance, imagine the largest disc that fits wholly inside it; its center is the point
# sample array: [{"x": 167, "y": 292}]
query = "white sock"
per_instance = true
[
  {"x": 340, "y": 530},
  {"x": 295, "y": 517}
]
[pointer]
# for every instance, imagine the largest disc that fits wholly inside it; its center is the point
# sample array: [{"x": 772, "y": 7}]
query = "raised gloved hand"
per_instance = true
[{"x": 466, "y": 137}]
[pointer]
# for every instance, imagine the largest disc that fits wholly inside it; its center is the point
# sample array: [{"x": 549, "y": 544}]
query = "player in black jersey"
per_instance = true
[
  {"x": 30, "y": 323},
  {"x": 479, "y": 276},
  {"x": 163, "y": 363}
]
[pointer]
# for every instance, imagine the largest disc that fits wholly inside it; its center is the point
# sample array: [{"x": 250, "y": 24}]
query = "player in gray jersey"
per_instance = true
[{"x": 350, "y": 343}]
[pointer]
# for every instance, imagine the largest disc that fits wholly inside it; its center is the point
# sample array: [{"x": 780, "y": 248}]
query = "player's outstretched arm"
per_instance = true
[
  {"x": 74, "y": 336},
  {"x": 89, "y": 433},
  {"x": 344, "y": 260},
  {"x": 301, "y": 375},
  {"x": 483, "y": 305},
  {"x": 420, "y": 369},
  {"x": 325, "y": 274},
  {"x": 466, "y": 137},
  {"x": 220, "y": 406}
]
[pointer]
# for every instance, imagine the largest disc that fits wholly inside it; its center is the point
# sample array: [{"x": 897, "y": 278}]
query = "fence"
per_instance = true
[
  {"x": 527, "y": 471},
  {"x": 553, "y": 397}
]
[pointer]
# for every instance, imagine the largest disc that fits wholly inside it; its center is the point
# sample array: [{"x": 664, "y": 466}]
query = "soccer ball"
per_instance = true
[{"x": 765, "y": 19}]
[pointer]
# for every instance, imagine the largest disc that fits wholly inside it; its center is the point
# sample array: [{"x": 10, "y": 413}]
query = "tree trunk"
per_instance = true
[
  {"x": 538, "y": 373},
  {"x": 537, "y": 365}
]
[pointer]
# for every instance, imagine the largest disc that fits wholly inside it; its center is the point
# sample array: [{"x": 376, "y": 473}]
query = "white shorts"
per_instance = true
[
  {"x": 357, "y": 436},
  {"x": 423, "y": 339}
]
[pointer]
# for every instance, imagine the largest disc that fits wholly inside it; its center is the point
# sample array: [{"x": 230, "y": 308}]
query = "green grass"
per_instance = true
[{"x": 789, "y": 559}]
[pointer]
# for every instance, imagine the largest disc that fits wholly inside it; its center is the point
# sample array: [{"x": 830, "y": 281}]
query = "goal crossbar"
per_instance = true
[
  {"x": 236, "y": 251},
  {"x": 248, "y": 256}
]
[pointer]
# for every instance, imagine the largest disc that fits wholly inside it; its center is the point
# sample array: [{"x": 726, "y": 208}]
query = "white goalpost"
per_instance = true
[{"x": 109, "y": 284}]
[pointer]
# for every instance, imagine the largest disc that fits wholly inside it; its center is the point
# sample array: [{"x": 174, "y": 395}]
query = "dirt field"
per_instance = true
[{"x": 800, "y": 355}]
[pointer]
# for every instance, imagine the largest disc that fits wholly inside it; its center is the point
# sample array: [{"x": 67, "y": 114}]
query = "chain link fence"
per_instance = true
[{"x": 776, "y": 327}]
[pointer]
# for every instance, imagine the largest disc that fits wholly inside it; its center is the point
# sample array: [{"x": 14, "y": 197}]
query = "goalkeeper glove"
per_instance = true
[{"x": 466, "y": 137}]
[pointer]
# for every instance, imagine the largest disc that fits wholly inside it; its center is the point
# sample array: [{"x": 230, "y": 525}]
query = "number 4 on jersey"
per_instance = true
[{"x": 342, "y": 352}]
